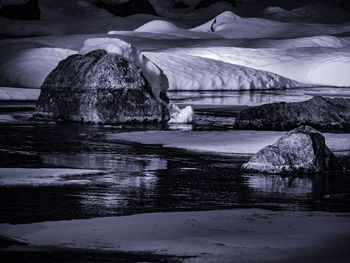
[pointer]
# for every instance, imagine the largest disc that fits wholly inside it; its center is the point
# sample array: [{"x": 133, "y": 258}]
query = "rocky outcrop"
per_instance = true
[
  {"x": 25, "y": 10},
  {"x": 302, "y": 150},
  {"x": 206, "y": 3},
  {"x": 128, "y": 8},
  {"x": 99, "y": 87},
  {"x": 318, "y": 112}
]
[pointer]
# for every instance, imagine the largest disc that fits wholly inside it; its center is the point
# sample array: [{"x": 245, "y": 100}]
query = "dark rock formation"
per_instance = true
[
  {"x": 318, "y": 112},
  {"x": 206, "y": 3},
  {"x": 301, "y": 150},
  {"x": 99, "y": 87},
  {"x": 30, "y": 10},
  {"x": 131, "y": 7}
]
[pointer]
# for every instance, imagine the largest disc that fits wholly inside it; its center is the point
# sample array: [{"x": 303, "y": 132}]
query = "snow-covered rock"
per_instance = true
[
  {"x": 101, "y": 88},
  {"x": 154, "y": 75},
  {"x": 300, "y": 150}
]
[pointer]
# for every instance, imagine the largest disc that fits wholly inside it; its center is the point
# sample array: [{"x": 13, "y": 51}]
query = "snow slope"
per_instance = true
[
  {"x": 187, "y": 72},
  {"x": 29, "y": 67},
  {"x": 324, "y": 66}
]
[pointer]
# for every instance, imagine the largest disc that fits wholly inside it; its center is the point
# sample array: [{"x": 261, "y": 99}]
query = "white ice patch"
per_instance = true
[
  {"x": 154, "y": 75},
  {"x": 177, "y": 115}
]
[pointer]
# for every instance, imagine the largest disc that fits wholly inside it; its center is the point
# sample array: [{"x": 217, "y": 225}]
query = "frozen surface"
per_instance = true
[
  {"x": 210, "y": 236},
  {"x": 44, "y": 176},
  {"x": 227, "y": 142},
  {"x": 9, "y": 93}
]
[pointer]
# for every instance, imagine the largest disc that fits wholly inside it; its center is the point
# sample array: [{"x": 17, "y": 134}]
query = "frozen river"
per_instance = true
[{"x": 135, "y": 170}]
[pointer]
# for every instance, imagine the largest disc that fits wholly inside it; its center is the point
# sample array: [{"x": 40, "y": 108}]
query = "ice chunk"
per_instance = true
[{"x": 177, "y": 115}]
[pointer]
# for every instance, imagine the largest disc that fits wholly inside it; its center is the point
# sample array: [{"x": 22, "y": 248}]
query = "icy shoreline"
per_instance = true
[{"x": 241, "y": 235}]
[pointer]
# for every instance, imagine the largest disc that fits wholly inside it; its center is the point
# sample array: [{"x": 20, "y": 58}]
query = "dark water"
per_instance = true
[{"x": 143, "y": 178}]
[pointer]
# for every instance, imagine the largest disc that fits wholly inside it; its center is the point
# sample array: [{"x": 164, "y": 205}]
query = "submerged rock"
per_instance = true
[
  {"x": 318, "y": 112},
  {"x": 301, "y": 150},
  {"x": 99, "y": 87}
]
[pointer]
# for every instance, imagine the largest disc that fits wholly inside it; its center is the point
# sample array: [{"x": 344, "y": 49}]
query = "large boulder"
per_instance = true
[
  {"x": 318, "y": 112},
  {"x": 127, "y": 8},
  {"x": 99, "y": 87},
  {"x": 20, "y": 10},
  {"x": 302, "y": 150}
]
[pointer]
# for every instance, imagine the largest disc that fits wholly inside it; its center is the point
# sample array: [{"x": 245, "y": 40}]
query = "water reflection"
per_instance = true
[
  {"x": 256, "y": 97},
  {"x": 287, "y": 186}
]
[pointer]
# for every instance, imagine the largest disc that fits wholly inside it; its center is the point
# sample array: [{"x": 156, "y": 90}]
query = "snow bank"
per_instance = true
[
  {"x": 187, "y": 72},
  {"x": 43, "y": 176},
  {"x": 227, "y": 142},
  {"x": 177, "y": 115},
  {"x": 29, "y": 67},
  {"x": 324, "y": 66},
  {"x": 230, "y": 25},
  {"x": 9, "y": 93},
  {"x": 154, "y": 75}
]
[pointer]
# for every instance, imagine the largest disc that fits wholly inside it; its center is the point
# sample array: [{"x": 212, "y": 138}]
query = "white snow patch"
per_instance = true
[
  {"x": 177, "y": 115},
  {"x": 43, "y": 176}
]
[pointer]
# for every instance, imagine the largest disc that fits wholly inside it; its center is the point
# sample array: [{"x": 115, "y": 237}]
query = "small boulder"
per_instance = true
[
  {"x": 318, "y": 112},
  {"x": 301, "y": 150},
  {"x": 99, "y": 87}
]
